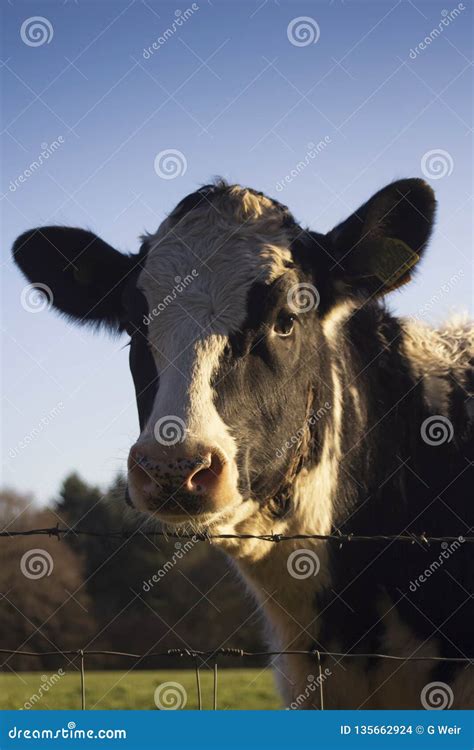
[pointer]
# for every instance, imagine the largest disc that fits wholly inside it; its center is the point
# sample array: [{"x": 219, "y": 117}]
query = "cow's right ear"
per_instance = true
[{"x": 82, "y": 274}]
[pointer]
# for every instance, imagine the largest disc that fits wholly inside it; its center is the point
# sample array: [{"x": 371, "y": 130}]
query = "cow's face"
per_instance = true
[
  {"x": 226, "y": 307},
  {"x": 220, "y": 329}
]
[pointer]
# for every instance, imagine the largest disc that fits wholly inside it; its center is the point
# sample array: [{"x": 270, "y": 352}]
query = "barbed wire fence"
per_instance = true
[
  {"x": 202, "y": 658},
  {"x": 58, "y": 532}
]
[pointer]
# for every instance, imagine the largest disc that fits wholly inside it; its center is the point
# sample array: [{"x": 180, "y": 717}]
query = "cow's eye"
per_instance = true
[{"x": 284, "y": 324}]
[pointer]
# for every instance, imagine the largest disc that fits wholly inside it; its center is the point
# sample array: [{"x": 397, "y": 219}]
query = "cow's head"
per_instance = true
[{"x": 227, "y": 307}]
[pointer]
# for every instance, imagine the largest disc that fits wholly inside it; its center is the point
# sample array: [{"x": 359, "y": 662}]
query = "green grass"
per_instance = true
[{"x": 244, "y": 689}]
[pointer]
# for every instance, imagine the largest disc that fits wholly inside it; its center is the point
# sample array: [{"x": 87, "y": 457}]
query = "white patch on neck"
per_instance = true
[
  {"x": 335, "y": 319},
  {"x": 315, "y": 489},
  {"x": 437, "y": 356}
]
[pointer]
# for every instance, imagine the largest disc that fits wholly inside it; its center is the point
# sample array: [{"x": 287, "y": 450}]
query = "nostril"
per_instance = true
[{"x": 205, "y": 476}]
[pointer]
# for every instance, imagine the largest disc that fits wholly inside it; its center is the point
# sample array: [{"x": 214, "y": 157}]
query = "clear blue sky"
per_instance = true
[{"x": 230, "y": 92}]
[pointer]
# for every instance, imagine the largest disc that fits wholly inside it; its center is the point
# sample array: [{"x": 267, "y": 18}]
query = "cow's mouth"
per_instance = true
[{"x": 183, "y": 510}]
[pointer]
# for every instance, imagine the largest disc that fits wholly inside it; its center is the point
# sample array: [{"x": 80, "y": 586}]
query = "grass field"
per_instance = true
[{"x": 245, "y": 689}]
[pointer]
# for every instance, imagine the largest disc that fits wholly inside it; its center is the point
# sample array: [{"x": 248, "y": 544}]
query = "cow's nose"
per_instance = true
[
  {"x": 205, "y": 474},
  {"x": 163, "y": 473}
]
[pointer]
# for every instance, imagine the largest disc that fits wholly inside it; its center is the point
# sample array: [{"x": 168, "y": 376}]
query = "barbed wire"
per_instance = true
[
  {"x": 408, "y": 538},
  {"x": 238, "y": 652},
  {"x": 202, "y": 658}
]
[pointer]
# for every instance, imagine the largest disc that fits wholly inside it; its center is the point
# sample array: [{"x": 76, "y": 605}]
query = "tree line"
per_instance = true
[{"x": 136, "y": 594}]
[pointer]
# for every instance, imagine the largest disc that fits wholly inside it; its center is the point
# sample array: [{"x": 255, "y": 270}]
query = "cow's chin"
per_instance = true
[
  {"x": 196, "y": 516},
  {"x": 202, "y": 523}
]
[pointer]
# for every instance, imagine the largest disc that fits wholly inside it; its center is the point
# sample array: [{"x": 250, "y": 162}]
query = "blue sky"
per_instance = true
[{"x": 232, "y": 93}]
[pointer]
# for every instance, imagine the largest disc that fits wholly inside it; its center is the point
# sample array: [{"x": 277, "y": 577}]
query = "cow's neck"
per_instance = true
[{"x": 327, "y": 494}]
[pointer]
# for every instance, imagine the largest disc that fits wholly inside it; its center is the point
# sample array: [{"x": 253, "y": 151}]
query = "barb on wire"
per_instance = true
[{"x": 407, "y": 538}]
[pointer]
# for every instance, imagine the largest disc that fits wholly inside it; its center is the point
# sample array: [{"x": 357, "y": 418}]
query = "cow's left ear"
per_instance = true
[{"x": 376, "y": 249}]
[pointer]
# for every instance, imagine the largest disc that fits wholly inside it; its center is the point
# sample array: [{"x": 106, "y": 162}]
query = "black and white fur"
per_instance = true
[{"x": 359, "y": 465}]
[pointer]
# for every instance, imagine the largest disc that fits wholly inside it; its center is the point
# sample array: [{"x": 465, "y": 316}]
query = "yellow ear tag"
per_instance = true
[{"x": 389, "y": 259}]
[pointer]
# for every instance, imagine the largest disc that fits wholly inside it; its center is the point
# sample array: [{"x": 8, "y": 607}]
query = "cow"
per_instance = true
[{"x": 278, "y": 395}]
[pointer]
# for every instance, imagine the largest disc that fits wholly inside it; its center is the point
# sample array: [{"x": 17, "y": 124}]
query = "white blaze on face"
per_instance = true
[{"x": 196, "y": 278}]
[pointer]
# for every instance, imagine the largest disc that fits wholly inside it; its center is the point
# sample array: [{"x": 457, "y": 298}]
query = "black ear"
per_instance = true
[
  {"x": 83, "y": 274},
  {"x": 375, "y": 249}
]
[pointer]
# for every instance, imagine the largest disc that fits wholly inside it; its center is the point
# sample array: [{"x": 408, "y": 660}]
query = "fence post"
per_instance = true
[
  {"x": 214, "y": 706},
  {"x": 198, "y": 683},
  {"x": 83, "y": 681},
  {"x": 320, "y": 680}
]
